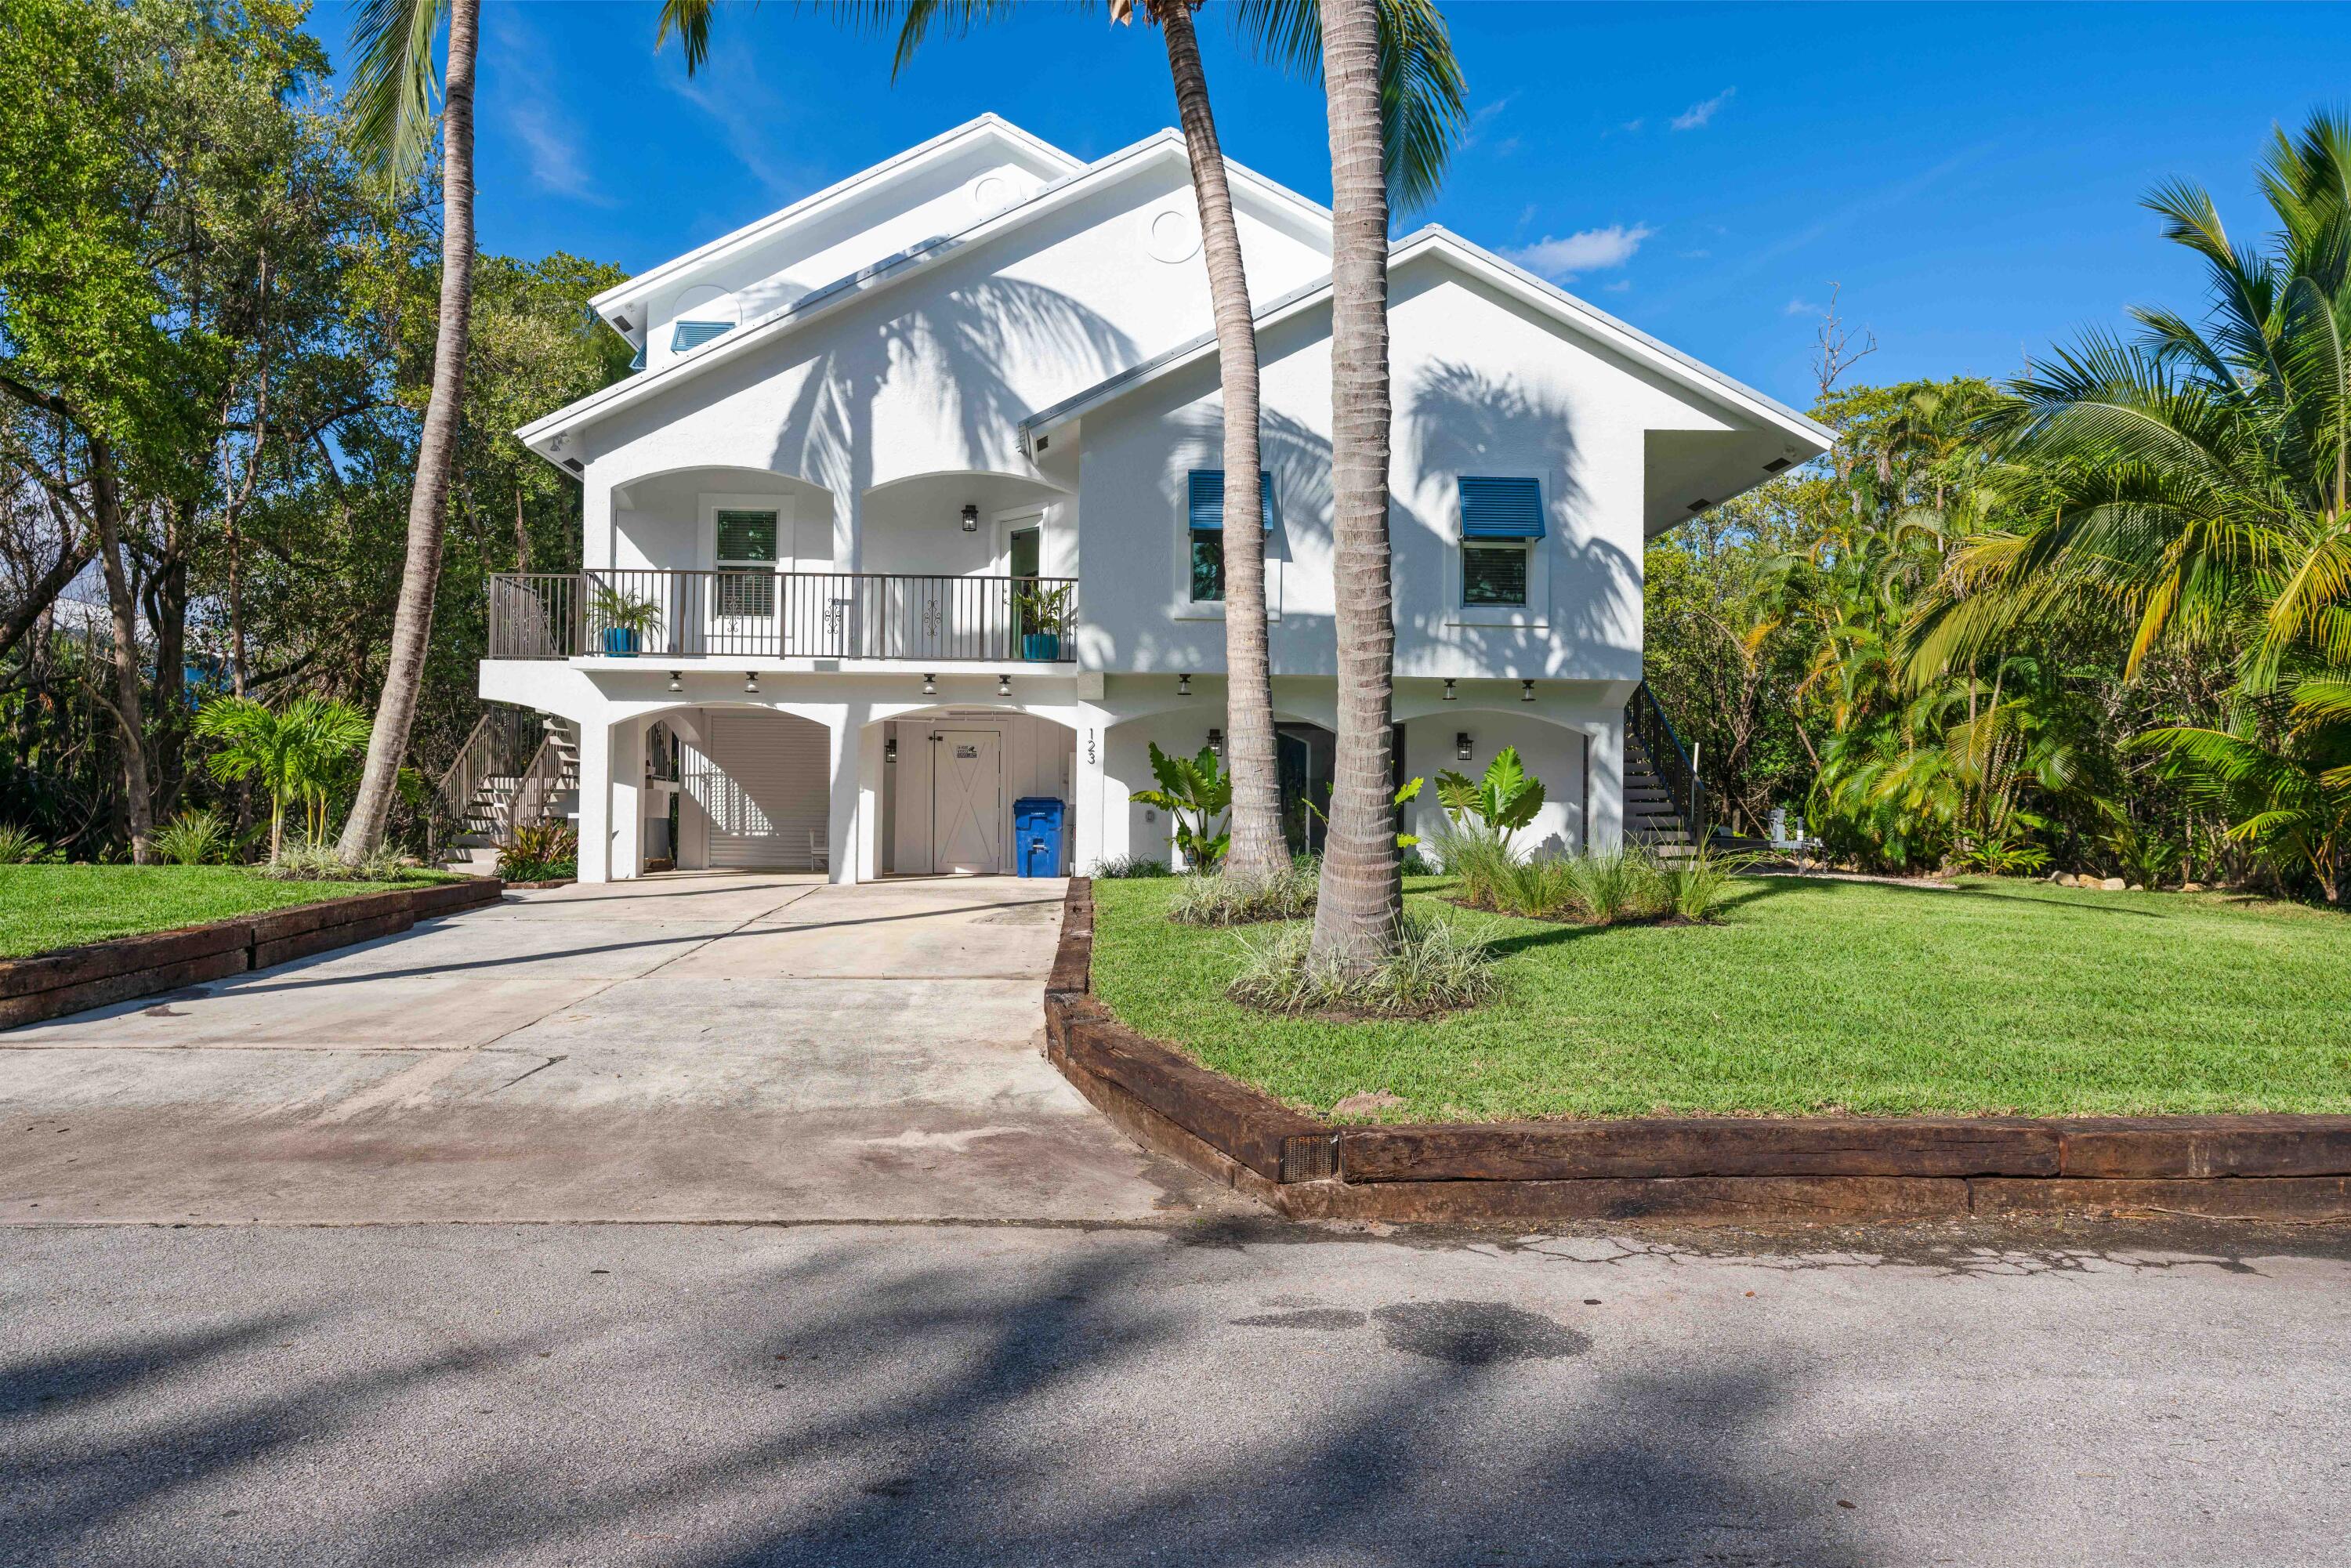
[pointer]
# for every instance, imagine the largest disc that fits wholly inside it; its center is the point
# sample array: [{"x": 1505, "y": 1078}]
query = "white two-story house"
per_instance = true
[{"x": 913, "y": 510}]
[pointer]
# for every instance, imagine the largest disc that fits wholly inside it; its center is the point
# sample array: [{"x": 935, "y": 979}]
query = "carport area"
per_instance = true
[{"x": 746, "y": 1047}]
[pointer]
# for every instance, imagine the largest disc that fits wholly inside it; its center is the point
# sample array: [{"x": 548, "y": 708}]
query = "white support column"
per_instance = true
[
  {"x": 1606, "y": 833},
  {"x": 841, "y": 828},
  {"x": 595, "y": 800},
  {"x": 1088, "y": 837},
  {"x": 871, "y": 773},
  {"x": 627, "y": 828}
]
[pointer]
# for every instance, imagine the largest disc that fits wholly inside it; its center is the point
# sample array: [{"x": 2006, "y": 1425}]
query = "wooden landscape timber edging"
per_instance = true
[
  {"x": 52, "y": 984},
  {"x": 1713, "y": 1169}
]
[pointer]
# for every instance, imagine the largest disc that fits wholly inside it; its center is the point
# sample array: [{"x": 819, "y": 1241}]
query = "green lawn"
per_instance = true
[
  {"x": 1810, "y": 998},
  {"x": 46, "y": 906}
]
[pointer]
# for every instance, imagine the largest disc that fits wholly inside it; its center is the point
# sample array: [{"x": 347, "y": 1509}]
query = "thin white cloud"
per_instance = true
[
  {"x": 555, "y": 160},
  {"x": 1632, "y": 126},
  {"x": 1697, "y": 116},
  {"x": 1622, "y": 286},
  {"x": 1800, "y": 307},
  {"x": 739, "y": 97},
  {"x": 1592, "y": 250}
]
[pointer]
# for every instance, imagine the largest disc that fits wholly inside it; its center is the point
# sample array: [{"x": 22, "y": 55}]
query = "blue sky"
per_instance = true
[{"x": 1968, "y": 174}]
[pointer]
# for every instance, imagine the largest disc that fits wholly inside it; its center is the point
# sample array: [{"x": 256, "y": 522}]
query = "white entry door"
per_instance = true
[{"x": 967, "y": 801}]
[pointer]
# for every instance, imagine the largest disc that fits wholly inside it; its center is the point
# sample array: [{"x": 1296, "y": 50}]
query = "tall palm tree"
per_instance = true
[
  {"x": 1421, "y": 87},
  {"x": 391, "y": 98},
  {"x": 1360, "y": 909}
]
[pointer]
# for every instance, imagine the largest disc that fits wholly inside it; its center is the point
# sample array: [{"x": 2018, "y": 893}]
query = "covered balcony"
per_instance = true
[{"x": 733, "y": 614}]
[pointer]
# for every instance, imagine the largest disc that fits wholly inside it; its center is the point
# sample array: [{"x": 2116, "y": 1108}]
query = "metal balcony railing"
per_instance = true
[{"x": 722, "y": 615}]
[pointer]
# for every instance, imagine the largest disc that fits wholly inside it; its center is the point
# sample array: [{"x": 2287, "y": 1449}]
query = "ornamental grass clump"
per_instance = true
[
  {"x": 1223, "y": 899},
  {"x": 1434, "y": 969},
  {"x": 1697, "y": 889},
  {"x": 18, "y": 846},
  {"x": 195, "y": 838}
]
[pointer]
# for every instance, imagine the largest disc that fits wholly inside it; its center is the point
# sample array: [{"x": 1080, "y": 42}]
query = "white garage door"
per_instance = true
[{"x": 763, "y": 784}]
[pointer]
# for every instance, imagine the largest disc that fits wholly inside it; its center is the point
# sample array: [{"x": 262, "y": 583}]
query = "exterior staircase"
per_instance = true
[
  {"x": 1665, "y": 803},
  {"x": 517, "y": 768}
]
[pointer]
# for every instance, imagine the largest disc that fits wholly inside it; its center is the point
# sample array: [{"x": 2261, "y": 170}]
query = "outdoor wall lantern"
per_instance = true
[
  {"x": 750, "y": 682},
  {"x": 1450, "y": 694},
  {"x": 677, "y": 680},
  {"x": 1216, "y": 741},
  {"x": 930, "y": 686},
  {"x": 1004, "y": 685},
  {"x": 1526, "y": 691},
  {"x": 1183, "y": 685},
  {"x": 1461, "y": 747},
  {"x": 970, "y": 517},
  {"x": 890, "y": 748}
]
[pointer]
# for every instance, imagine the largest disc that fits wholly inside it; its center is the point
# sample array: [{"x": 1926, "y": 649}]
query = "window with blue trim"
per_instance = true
[
  {"x": 689, "y": 335},
  {"x": 1501, "y": 523},
  {"x": 1204, "y": 504}
]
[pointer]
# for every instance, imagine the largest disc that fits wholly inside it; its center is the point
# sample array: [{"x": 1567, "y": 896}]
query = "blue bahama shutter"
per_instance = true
[
  {"x": 694, "y": 334},
  {"x": 1502, "y": 509},
  {"x": 1206, "y": 499}
]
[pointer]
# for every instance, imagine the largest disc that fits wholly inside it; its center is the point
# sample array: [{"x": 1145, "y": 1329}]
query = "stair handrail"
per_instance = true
[
  {"x": 541, "y": 779},
  {"x": 491, "y": 748},
  {"x": 1645, "y": 718}
]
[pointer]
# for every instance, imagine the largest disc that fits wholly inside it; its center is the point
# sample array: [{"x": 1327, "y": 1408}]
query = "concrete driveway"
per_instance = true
[{"x": 744, "y": 1047}]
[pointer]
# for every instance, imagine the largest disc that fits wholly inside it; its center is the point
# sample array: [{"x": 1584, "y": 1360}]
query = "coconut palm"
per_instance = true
[
  {"x": 1360, "y": 908},
  {"x": 1421, "y": 102},
  {"x": 391, "y": 101}
]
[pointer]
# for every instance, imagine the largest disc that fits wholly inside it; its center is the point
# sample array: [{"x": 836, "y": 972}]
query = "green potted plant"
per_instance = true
[
  {"x": 1044, "y": 615},
  {"x": 625, "y": 619}
]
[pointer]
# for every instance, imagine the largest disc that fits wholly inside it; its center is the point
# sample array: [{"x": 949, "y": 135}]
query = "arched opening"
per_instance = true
[
  {"x": 952, "y": 780},
  {"x": 1557, "y": 755}
]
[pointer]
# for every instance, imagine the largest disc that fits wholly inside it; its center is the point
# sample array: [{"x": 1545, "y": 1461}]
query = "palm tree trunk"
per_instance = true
[
  {"x": 105, "y": 514},
  {"x": 428, "y": 502},
  {"x": 1258, "y": 849},
  {"x": 1362, "y": 896}
]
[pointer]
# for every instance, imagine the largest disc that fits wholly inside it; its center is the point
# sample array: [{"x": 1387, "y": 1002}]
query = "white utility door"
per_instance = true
[
  {"x": 967, "y": 801},
  {"x": 763, "y": 786}
]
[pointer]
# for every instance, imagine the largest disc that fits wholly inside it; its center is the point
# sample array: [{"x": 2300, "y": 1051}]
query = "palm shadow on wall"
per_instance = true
[{"x": 1463, "y": 420}]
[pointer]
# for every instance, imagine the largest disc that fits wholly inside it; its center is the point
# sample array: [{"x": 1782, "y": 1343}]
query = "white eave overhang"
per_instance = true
[
  {"x": 546, "y": 435},
  {"x": 1539, "y": 293}
]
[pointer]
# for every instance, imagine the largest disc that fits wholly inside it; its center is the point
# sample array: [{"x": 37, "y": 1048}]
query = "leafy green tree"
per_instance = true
[
  {"x": 1194, "y": 792},
  {"x": 295, "y": 753}
]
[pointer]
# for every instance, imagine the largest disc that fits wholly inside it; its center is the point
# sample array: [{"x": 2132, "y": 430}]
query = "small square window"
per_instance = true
[
  {"x": 1493, "y": 574},
  {"x": 1207, "y": 566}
]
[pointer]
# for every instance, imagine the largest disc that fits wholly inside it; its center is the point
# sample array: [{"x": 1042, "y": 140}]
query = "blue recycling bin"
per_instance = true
[{"x": 1037, "y": 835}]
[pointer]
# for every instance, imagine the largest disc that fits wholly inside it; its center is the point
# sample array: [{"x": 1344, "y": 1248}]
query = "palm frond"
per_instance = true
[{"x": 394, "y": 84}]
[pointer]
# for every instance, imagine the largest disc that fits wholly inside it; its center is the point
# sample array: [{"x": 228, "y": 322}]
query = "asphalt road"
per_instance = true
[{"x": 1209, "y": 1390}]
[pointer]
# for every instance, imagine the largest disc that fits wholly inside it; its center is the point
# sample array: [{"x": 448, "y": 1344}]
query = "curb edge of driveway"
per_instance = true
[
  {"x": 1717, "y": 1170},
  {"x": 75, "y": 979}
]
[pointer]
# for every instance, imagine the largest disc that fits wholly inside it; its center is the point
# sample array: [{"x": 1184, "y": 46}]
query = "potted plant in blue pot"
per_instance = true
[
  {"x": 626, "y": 619},
  {"x": 1044, "y": 618}
]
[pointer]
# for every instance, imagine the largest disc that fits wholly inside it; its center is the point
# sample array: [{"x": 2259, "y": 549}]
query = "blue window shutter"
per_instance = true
[
  {"x": 1204, "y": 502},
  {"x": 638, "y": 363},
  {"x": 694, "y": 334},
  {"x": 1502, "y": 509}
]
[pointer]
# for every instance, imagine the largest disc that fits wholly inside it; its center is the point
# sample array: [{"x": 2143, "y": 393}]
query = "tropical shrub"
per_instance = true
[
  {"x": 541, "y": 852},
  {"x": 1198, "y": 796},
  {"x": 18, "y": 846},
  {"x": 1697, "y": 888},
  {"x": 195, "y": 838},
  {"x": 1218, "y": 899},
  {"x": 1504, "y": 800},
  {"x": 1434, "y": 967},
  {"x": 1121, "y": 867},
  {"x": 308, "y": 751}
]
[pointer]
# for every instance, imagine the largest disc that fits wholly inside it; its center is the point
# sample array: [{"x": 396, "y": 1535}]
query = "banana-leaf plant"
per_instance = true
[
  {"x": 1500, "y": 803},
  {"x": 1194, "y": 792}
]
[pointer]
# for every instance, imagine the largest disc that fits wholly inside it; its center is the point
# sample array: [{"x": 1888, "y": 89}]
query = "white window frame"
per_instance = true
[
  {"x": 706, "y": 553},
  {"x": 1534, "y": 615}
]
